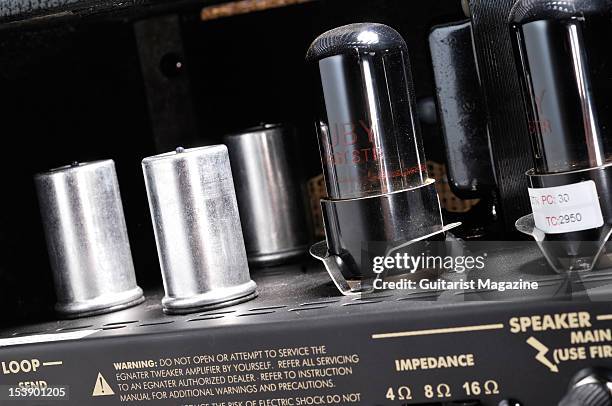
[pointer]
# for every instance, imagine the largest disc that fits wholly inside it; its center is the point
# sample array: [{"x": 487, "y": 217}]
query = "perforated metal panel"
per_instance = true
[{"x": 304, "y": 292}]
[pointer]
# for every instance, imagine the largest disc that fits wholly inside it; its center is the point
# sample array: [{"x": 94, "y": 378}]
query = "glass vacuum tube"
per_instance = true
[
  {"x": 565, "y": 66},
  {"x": 368, "y": 132},
  {"x": 380, "y": 198}
]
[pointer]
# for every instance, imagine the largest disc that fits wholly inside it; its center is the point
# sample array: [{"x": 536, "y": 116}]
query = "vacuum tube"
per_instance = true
[
  {"x": 368, "y": 135},
  {"x": 565, "y": 69},
  {"x": 371, "y": 150}
]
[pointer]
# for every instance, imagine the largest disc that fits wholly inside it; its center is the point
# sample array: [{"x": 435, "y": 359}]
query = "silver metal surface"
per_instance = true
[
  {"x": 197, "y": 229},
  {"x": 577, "y": 251},
  {"x": 87, "y": 239},
  {"x": 357, "y": 228},
  {"x": 270, "y": 195},
  {"x": 338, "y": 268}
]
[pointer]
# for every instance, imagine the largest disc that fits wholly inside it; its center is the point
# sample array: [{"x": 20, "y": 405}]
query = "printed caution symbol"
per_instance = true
[
  {"x": 541, "y": 355},
  {"x": 102, "y": 387}
]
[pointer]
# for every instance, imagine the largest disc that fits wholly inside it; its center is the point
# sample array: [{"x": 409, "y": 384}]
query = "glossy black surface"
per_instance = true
[
  {"x": 462, "y": 110},
  {"x": 566, "y": 72},
  {"x": 353, "y": 232},
  {"x": 368, "y": 133},
  {"x": 355, "y": 38},
  {"x": 525, "y": 11}
]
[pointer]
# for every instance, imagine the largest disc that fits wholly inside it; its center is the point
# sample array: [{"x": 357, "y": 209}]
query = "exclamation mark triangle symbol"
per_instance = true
[{"x": 102, "y": 387}]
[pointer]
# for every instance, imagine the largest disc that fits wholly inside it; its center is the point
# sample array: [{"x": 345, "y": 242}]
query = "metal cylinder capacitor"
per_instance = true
[
  {"x": 270, "y": 194},
  {"x": 197, "y": 229},
  {"x": 87, "y": 239}
]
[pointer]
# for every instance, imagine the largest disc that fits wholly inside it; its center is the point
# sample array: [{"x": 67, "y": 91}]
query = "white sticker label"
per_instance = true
[
  {"x": 44, "y": 338},
  {"x": 564, "y": 209}
]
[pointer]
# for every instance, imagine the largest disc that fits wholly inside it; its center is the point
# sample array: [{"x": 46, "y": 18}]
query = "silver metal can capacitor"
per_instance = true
[
  {"x": 270, "y": 194},
  {"x": 197, "y": 229},
  {"x": 87, "y": 239}
]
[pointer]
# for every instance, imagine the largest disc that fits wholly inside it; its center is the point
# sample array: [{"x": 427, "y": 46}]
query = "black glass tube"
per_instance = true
[
  {"x": 368, "y": 132},
  {"x": 565, "y": 65}
]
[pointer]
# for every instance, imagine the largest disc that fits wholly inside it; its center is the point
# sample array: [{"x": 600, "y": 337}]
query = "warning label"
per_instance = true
[
  {"x": 271, "y": 377},
  {"x": 102, "y": 387}
]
